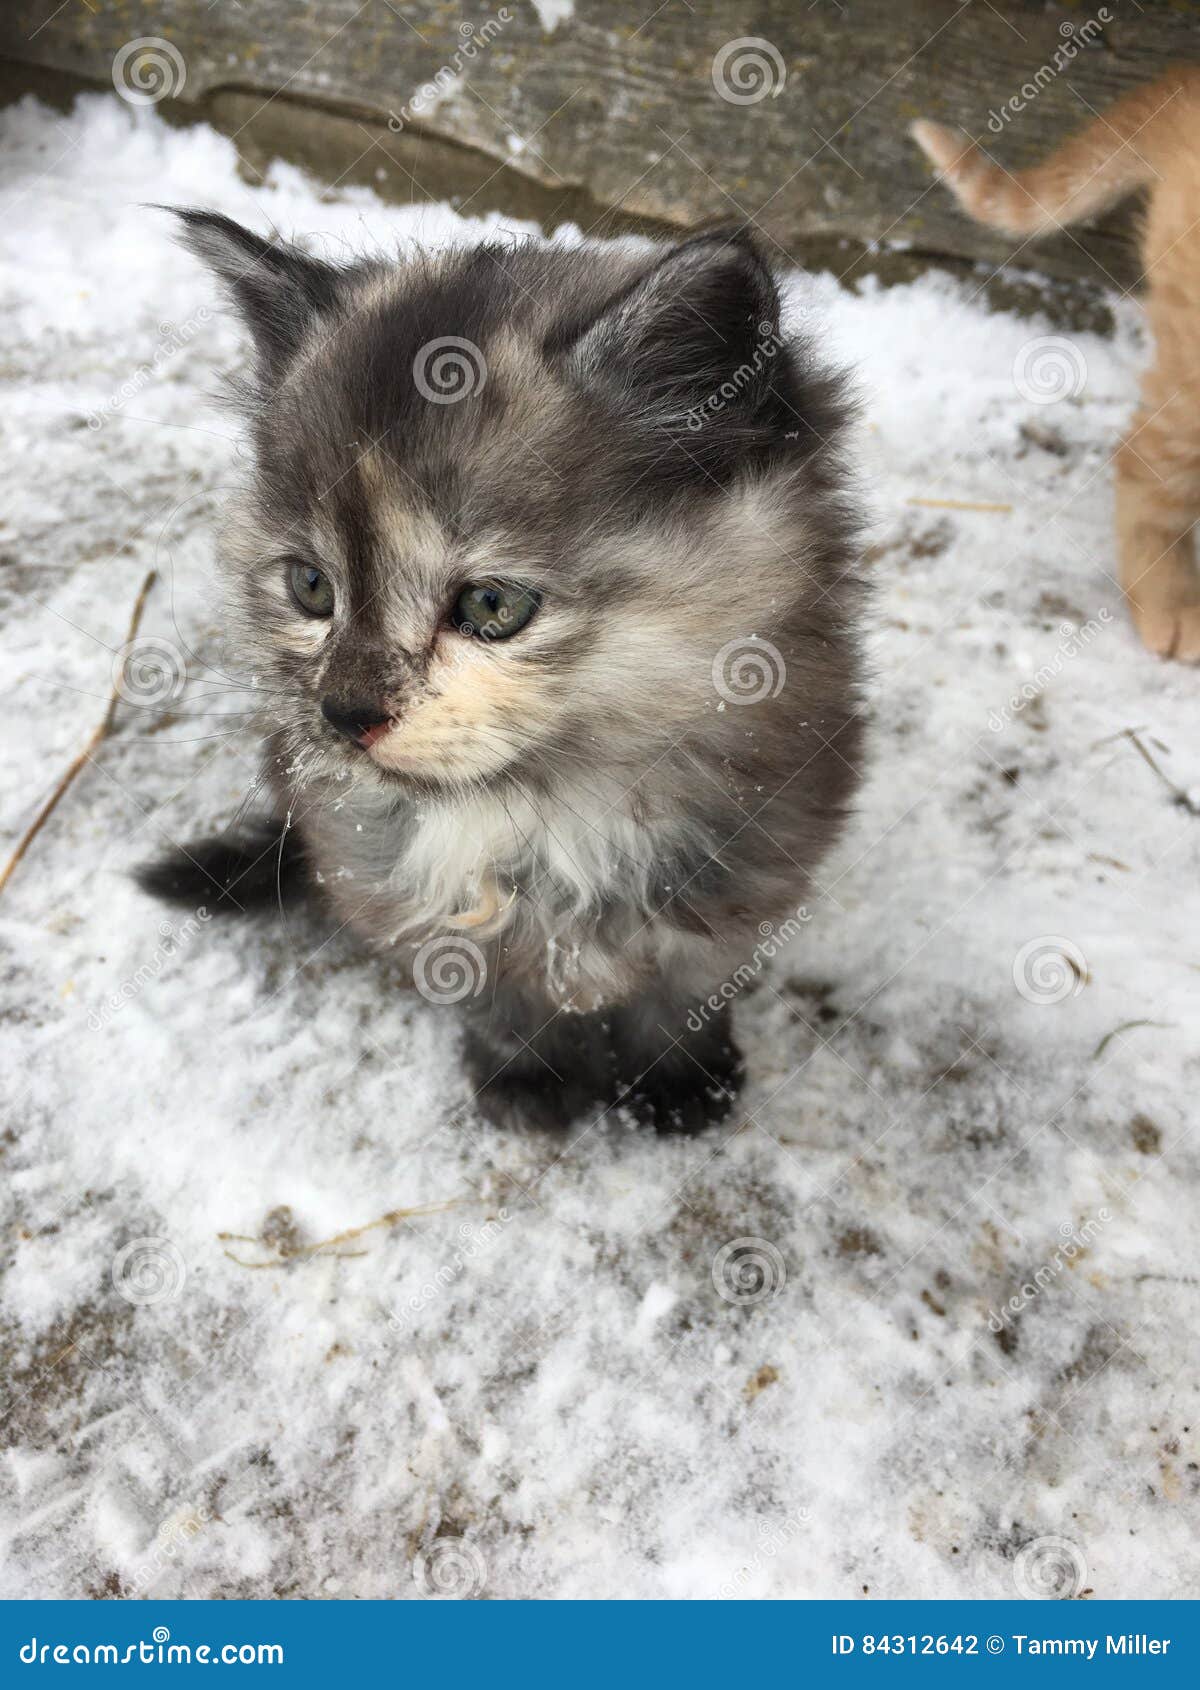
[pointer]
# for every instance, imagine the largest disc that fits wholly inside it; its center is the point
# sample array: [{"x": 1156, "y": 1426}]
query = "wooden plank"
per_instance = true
[{"x": 675, "y": 118}]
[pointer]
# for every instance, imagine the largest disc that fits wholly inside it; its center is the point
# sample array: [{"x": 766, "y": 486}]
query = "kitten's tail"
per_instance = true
[
  {"x": 1090, "y": 172},
  {"x": 235, "y": 875}
]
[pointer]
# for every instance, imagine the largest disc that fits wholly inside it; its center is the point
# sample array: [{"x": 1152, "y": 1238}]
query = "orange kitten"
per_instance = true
[{"x": 1149, "y": 138}]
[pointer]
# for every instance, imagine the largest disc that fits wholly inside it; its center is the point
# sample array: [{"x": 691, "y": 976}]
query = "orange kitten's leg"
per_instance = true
[{"x": 1158, "y": 501}]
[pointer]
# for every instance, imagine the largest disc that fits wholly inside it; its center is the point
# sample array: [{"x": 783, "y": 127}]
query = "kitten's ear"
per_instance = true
[
  {"x": 706, "y": 310},
  {"x": 278, "y": 289}
]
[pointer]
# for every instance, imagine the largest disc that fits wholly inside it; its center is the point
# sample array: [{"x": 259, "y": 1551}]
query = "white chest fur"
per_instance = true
[{"x": 555, "y": 877}]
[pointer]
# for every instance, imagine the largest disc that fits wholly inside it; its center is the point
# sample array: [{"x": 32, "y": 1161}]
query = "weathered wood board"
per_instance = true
[{"x": 787, "y": 115}]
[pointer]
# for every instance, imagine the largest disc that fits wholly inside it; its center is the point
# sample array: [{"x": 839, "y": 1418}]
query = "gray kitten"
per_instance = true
[{"x": 547, "y": 575}]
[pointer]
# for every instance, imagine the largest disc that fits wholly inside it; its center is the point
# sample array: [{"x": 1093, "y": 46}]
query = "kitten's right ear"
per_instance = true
[
  {"x": 278, "y": 289},
  {"x": 704, "y": 313}
]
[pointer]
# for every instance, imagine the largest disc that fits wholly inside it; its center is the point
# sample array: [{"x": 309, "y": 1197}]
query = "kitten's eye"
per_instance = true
[
  {"x": 312, "y": 590},
  {"x": 494, "y": 610}
]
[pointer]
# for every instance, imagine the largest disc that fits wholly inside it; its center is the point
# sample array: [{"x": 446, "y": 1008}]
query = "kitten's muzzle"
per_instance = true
[{"x": 360, "y": 722}]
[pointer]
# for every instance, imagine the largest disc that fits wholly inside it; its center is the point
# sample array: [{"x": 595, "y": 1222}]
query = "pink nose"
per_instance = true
[
  {"x": 368, "y": 736},
  {"x": 362, "y": 723}
]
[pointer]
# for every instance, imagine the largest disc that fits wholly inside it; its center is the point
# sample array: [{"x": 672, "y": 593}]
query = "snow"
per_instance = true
[
  {"x": 777, "y": 1360},
  {"x": 553, "y": 12}
]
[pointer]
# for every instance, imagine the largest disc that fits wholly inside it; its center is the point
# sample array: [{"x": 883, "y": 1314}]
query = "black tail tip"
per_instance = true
[{"x": 230, "y": 875}]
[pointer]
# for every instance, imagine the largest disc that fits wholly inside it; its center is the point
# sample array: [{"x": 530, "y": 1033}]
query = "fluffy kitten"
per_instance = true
[
  {"x": 546, "y": 573},
  {"x": 1151, "y": 137}
]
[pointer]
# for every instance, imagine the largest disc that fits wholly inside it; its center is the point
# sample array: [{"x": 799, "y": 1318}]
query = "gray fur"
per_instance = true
[{"x": 579, "y": 804}]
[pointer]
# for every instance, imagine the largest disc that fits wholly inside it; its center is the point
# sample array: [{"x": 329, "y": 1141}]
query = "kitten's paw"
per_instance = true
[
  {"x": 520, "y": 1098},
  {"x": 1171, "y": 632},
  {"x": 671, "y": 1099}
]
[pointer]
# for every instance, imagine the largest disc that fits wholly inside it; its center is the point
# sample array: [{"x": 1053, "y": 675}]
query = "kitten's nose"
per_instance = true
[{"x": 361, "y": 722}]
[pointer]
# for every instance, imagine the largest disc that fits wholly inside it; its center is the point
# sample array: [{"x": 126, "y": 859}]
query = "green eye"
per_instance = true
[
  {"x": 312, "y": 590},
  {"x": 494, "y": 610}
]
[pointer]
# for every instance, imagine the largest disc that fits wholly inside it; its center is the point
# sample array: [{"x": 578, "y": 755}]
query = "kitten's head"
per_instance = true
[{"x": 510, "y": 502}]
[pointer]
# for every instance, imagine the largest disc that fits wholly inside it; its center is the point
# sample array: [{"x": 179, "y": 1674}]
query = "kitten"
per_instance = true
[
  {"x": 547, "y": 575},
  {"x": 1150, "y": 137}
]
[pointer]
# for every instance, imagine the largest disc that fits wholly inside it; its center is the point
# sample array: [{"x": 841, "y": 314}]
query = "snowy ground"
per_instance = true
[{"x": 561, "y": 1385}]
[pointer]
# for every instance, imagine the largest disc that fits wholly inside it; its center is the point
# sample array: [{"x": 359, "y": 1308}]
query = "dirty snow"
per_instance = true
[{"x": 962, "y": 1360}]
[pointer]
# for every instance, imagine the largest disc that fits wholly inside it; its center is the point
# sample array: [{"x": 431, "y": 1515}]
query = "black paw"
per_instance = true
[
  {"x": 681, "y": 1097},
  {"x": 523, "y": 1092},
  {"x": 626, "y": 1060}
]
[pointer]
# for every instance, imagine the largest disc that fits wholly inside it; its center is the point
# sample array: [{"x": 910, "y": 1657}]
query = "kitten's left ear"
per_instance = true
[
  {"x": 708, "y": 309},
  {"x": 278, "y": 289}
]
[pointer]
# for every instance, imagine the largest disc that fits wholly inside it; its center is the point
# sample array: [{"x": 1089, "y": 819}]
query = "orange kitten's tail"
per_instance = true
[{"x": 1089, "y": 172}]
